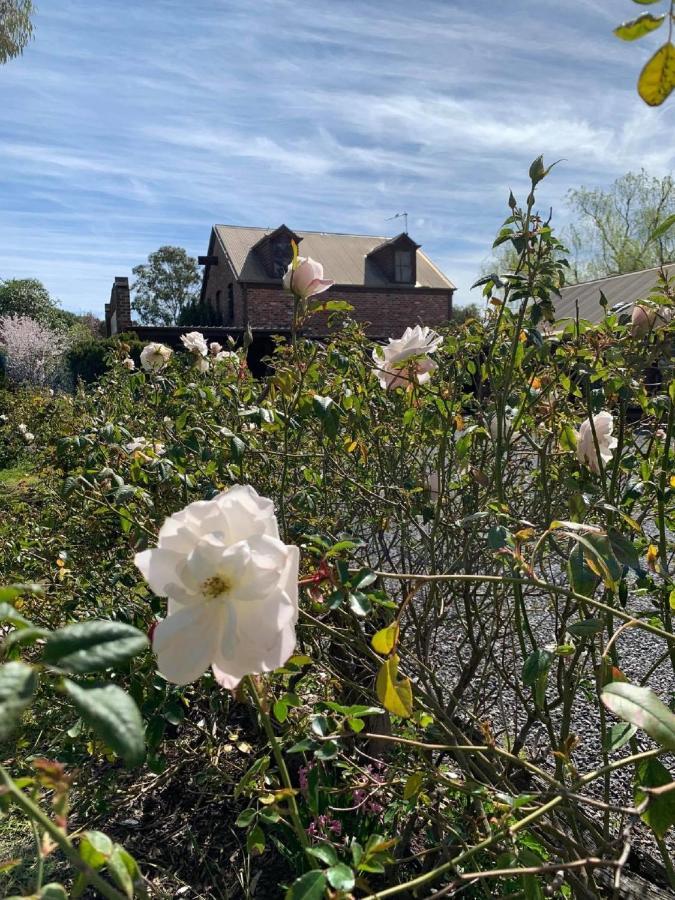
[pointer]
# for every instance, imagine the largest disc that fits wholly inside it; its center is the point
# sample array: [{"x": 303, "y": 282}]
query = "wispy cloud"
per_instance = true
[{"x": 129, "y": 125}]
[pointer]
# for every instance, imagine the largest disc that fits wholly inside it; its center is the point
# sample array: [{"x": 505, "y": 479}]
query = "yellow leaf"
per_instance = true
[
  {"x": 525, "y": 534},
  {"x": 413, "y": 785},
  {"x": 672, "y": 481},
  {"x": 657, "y": 79},
  {"x": 593, "y": 566},
  {"x": 386, "y": 639},
  {"x": 394, "y": 694}
]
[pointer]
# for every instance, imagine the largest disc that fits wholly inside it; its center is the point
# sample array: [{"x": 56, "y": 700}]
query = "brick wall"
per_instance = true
[
  {"x": 219, "y": 280},
  {"x": 388, "y": 312},
  {"x": 118, "y": 311}
]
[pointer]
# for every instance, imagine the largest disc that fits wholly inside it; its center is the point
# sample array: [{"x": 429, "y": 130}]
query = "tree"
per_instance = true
[
  {"x": 16, "y": 27},
  {"x": 615, "y": 228},
  {"x": 29, "y": 297},
  {"x": 469, "y": 311},
  {"x": 165, "y": 285}
]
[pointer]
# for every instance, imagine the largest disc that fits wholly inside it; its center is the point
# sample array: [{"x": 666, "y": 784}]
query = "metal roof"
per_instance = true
[
  {"x": 343, "y": 257},
  {"x": 618, "y": 289}
]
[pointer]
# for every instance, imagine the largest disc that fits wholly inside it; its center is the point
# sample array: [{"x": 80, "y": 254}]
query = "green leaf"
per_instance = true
[
  {"x": 624, "y": 549},
  {"x": 660, "y": 230},
  {"x": 537, "y": 663},
  {"x": 359, "y": 603},
  {"x": 413, "y": 785},
  {"x": 582, "y": 580},
  {"x": 341, "y": 877},
  {"x": 18, "y": 682},
  {"x": 245, "y": 818},
  {"x": 329, "y": 413},
  {"x": 118, "y": 868},
  {"x": 255, "y": 841},
  {"x": 618, "y": 735},
  {"x": 660, "y": 814},
  {"x": 641, "y": 707},
  {"x": 9, "y": 614},
  {"x": 310, "y": 886},
  {"x": 657, "y": 78},
  {"x": 53, "y": 891},
  {"x": 95, "y": 849},
  {"x": 113, "y": 715},
  {"x": 280, "y": 710},
  {"x": 325, "y": 853},
  {"x": 637, "y": 28},
  {"x": 586, "y": 627},
  {"x": 356, "y": 725},
  {"x": 94, "y": 645}
]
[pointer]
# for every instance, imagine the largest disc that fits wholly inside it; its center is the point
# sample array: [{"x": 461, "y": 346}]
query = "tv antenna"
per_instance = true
[{"x": 401, "y": 215}]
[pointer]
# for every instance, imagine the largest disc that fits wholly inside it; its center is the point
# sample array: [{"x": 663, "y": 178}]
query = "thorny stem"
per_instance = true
[
  {"x": 36, "y": 815},
  {"x": 281, "y": 764}
]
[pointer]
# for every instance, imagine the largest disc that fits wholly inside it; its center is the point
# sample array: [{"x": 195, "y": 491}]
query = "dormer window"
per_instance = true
[
  {"x": 282, "y": 254},
  {"x": 396, "y": 259},
  {"x": 403, "y": 266},
  {"x": 275, "y": 251}
]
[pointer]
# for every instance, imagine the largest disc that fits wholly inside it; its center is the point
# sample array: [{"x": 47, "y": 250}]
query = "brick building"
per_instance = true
[{"x": 390, "y": 282}]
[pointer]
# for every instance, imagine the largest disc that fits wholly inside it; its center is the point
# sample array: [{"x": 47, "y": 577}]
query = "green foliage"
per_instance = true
[
  {"x": 165, "y": 286},
  {"x": 16, "y": 27},
  {"x": 29, "y": 297},
  {"x": 452, "y": 631},
  {"x": 623, "y": 228}
]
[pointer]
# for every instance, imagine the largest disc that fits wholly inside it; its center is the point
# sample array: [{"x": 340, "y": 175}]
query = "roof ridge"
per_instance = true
[
  {"x": 379, "y": 237},
  {"x": 619, "y": 275}
]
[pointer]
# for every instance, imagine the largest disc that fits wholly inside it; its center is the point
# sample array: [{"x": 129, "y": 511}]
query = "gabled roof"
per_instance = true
[
  {"x": 618, "y": 289},
  {"x": 343, "y": 256}
]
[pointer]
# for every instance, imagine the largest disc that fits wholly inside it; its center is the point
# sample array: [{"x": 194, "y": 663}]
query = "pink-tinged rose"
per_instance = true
[
  {"x": 646, "y": 319},
  {"x": 307, "y": 279}
]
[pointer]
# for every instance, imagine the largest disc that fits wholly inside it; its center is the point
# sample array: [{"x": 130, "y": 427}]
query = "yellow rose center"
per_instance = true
[{"x": 215, "y": 587}]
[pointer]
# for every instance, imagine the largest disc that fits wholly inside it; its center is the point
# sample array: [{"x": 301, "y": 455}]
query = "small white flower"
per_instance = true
[
  {"x": 195, "y": 342},
  {"x": 155, "y": 356},
  {"x": 586, "y": 453},
  {"x": 22, "y": 428},
  {"x": 138, "y": 443},
  {"x": 201, "y": 364},
  {"x": 406, "y": 359},
  {"x": 215, "y": 348},
  {"x": 129, "y": 364},
  {"x": 232, "y": 587},
  {"x": 3, "y": 419},
  {"x": 28, "y": 437}
]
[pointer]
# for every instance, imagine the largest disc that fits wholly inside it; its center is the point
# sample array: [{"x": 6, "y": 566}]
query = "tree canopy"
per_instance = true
[
  {"x": 16, "y": 27},
  {"x": 165, "y": 286},
  {"x": 622, "y": 228},
  {"x": 29, "y": 297}
]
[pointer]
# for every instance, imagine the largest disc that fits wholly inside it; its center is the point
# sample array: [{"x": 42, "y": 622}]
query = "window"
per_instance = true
[
  {"x": 282, "y": 254},
  {"x": 230, "y": 303},
  {"x": 403, "y": 266},
  {"x": 217, "y": 309}
]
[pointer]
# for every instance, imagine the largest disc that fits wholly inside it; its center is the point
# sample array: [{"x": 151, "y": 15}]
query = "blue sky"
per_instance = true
[{"x": 127, "y": 124}]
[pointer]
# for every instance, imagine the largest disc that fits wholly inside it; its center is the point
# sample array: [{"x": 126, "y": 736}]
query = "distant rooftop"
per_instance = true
[
  {"x": 618, "y": 289},
  {"x": 343, "y": 257}
]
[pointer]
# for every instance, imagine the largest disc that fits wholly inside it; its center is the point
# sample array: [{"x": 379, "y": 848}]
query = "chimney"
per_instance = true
[{"x": 118, "y": 311}]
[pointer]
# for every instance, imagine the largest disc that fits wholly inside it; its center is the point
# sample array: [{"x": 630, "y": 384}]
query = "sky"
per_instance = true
[{"x": 127, "y": 125}]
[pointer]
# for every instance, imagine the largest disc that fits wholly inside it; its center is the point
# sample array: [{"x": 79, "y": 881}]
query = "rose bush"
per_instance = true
[{"x": 473, "y": 696}]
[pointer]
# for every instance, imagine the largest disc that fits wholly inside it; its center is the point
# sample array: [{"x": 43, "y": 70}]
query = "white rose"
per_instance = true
[
  {"x": 155, "y": 356},
  {"x": 232, "y": 587},
  {"x": 201, "y": 364},
  {"x": 645, "y": 319},
  {"x": 215, "y": 348},
  {"x": 22, "y": 428},
  {"x": 224, "y": 355},
  {"x": 195, "y": 342},
  {"x": 28, "y": 437},
  {"x": 129, "y": 364},
  {"x": 586, "y": 453},
  {"x": 406, "y": 358}
]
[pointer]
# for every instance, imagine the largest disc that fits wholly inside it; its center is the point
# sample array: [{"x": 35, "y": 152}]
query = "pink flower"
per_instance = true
[
  {"x": 306, "y": 279},
  {"x": 645, "y": 319}
]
